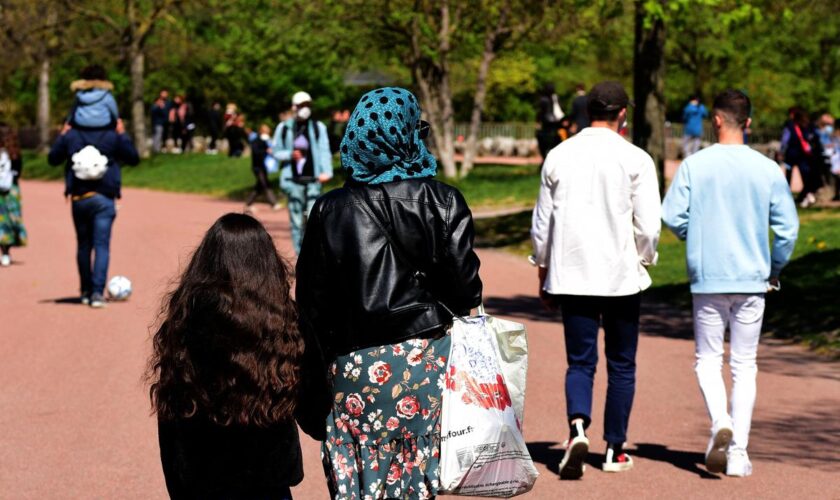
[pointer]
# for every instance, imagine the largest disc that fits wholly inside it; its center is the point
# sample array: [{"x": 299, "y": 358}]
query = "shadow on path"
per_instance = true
[
  {"x": 689, "y": 461},
  {"x": 550, "y": 454},
  {"x": 63, "y": 300},
  {"x": 525, "y": 307},
  {"x": 807, "y": 438}
]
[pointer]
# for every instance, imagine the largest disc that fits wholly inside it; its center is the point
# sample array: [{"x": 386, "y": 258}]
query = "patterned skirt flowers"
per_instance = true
[
  {"x": 12, "y": 231},
  {"x": 383, "y": 435}
]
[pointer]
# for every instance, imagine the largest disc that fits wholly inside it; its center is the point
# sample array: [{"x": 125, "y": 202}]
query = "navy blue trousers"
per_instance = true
[
  {"x": 582, "y": 315},
  {"x": 93, "y": 218}
]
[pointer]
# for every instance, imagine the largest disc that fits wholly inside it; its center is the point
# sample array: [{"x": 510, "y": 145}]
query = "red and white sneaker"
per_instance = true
[
  {"x": 577, "y": 447},
  {"x": 617, "y": 462}
]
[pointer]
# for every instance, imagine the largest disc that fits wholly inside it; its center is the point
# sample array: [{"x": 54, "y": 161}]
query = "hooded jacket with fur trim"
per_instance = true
[{"x": 95, "y": 106}]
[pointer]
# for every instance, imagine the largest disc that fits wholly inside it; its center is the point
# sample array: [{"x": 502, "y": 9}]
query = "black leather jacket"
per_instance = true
[{"x": 355, "y": 291}]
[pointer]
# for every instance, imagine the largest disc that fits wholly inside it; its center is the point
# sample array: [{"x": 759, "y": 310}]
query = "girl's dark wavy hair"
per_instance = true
[{"x": 228, "y": 347}]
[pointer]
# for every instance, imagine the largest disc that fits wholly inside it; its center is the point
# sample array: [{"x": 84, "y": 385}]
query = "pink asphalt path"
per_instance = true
[{"x": 75, "y": 419}]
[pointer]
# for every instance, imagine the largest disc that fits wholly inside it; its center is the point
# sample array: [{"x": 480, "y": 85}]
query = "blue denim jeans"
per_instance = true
[
  {"x": 301, "y": 199},
  {"x": 582, "y": 316},
  {"x": 93, "y": 218}
]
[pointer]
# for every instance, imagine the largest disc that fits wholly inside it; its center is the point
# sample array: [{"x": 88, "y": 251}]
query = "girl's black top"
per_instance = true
[{"x": 204, "y": 460}]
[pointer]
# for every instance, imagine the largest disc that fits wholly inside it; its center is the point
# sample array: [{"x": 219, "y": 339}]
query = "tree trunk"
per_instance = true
[
  {"x": 478, "y": 102},
  {"x": 44, "y": 105},
  {"x": 649, "y": 89},
  {"x": 446, "y": 148},
  {"x": 137, "y": 60}
]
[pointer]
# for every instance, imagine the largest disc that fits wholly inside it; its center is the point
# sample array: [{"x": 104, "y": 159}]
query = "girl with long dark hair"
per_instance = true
[{"x": 226, "y": 370}]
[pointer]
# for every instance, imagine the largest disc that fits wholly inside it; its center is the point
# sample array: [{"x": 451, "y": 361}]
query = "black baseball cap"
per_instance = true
[{"x": 608, "y": 96}]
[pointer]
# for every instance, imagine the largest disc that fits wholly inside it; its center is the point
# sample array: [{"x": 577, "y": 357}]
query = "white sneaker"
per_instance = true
[
  {"x": 738, "y": 463},
  {"x": 716, "y": 451},
  {"x": 5, "y": 260},
  {"x": 809, "y": 200},
  {"x": 621, "y": 463},
  {"x": 577, "y": 448}
]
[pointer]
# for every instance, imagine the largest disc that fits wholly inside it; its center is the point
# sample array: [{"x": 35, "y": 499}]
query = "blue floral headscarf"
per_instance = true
[{"x": 382, "y": 141}]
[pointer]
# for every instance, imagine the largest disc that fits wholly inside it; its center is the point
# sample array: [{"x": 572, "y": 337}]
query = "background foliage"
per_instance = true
[{"x": 258, "y": 52}]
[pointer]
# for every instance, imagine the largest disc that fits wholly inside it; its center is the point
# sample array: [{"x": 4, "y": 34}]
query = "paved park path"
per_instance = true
[{"x": 74, "y": 412}]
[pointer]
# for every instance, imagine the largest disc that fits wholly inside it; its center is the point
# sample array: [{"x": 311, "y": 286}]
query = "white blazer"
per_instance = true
[{"x": 597, "y": 219}]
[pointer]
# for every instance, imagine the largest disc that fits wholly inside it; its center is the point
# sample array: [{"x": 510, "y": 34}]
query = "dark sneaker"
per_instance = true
[
  {"x": 85, "y": 300},
  {"x": 97, "y": 301},
  {"x": 577, "y": 447}
]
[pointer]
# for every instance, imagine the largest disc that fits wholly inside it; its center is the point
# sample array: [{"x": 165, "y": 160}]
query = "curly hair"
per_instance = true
[{"x": 228, "y": 347}]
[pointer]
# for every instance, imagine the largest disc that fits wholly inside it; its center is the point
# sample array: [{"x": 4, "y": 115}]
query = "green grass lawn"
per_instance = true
[{"x": 487, "y": 186}]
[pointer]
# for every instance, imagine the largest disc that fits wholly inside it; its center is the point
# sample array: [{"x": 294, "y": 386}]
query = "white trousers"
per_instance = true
[{"x": 743, "y": 314}]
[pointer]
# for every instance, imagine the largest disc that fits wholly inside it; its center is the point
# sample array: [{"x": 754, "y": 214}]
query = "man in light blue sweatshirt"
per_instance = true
[{"x": 721, "y": 202}]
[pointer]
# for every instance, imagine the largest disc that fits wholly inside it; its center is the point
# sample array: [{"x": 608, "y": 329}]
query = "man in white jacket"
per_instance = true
[{"x": 595, "y": 230}]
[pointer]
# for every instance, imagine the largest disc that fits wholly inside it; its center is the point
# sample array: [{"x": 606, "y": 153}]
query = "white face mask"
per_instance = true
[
  {"x": 265, "y": 137},
  {"x": 304, "y": 113}
]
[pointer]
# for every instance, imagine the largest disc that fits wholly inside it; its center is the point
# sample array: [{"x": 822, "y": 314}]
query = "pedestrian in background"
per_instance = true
[
  {"x": 302, "y": 146},
  {"x": 228, "y": 372},
  {"x": 160, "y": 116},
  {"x": 730, "y": 266},
  {"x": 215, "y": 125},
  {"x": 93, "y": 181},
  {"x": 579, "y": 116},
  {"x": 693, "y": 115},
  {"x": 595, "y": 230},
  {"x": 384, "y": 261},
  {"x": 94, "y": 105},
  {"x": 12, "y": 230},
  {"x": 260, "y": 152},
  {"x": 549, "y": 117}
]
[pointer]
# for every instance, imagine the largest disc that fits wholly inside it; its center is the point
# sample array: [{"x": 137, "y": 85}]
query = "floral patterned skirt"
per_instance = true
[
  {"x": 12, "y": 231},
  {"x": 383, "y": 435}
]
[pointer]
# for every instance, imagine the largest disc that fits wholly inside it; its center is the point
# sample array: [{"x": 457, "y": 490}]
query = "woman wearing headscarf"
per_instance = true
[{"x": 386, "y": 262}]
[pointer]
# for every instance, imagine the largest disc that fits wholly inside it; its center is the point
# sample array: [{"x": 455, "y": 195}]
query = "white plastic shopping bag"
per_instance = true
[
  {"x": 512, "y": 342},
  {"x": 483, "y": 452}
]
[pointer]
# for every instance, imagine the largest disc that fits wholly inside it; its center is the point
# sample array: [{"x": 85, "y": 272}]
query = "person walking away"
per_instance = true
[
  {"x": 159, "y": 115},
  {"x": 235, "y": 136},
  {"x": 260, "y": 150},
  {"x": 94, "y": 106},
  {"x": 797, "y": 150},
  {"x": 176, "y": 125},
  {"x": 549, "y": 118},
  {"x": 595, "y": 230},
  {"x": 228, "y": 369},
  {"x": 693, "y": 115},
  {"x": 215, "y": 124},
  {"x": 579, "y": 116},
  {"x": 186, "y": 121},
  {"x": 730, "y": 266},
  {"x": 12, "y": 230},
  {"x": 384, "y": 261},
  {"x": 302, "y": 146},
  {"x": 92, "y": 161},
  {"x": 834, "y": 155}
]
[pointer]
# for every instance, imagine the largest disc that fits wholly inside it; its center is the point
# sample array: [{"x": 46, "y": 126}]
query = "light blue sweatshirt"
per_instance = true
[{"x": 722, "y": 201}]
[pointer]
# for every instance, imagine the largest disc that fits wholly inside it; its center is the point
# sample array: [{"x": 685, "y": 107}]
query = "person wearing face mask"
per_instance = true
[{"x": 302, "y": 146}]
